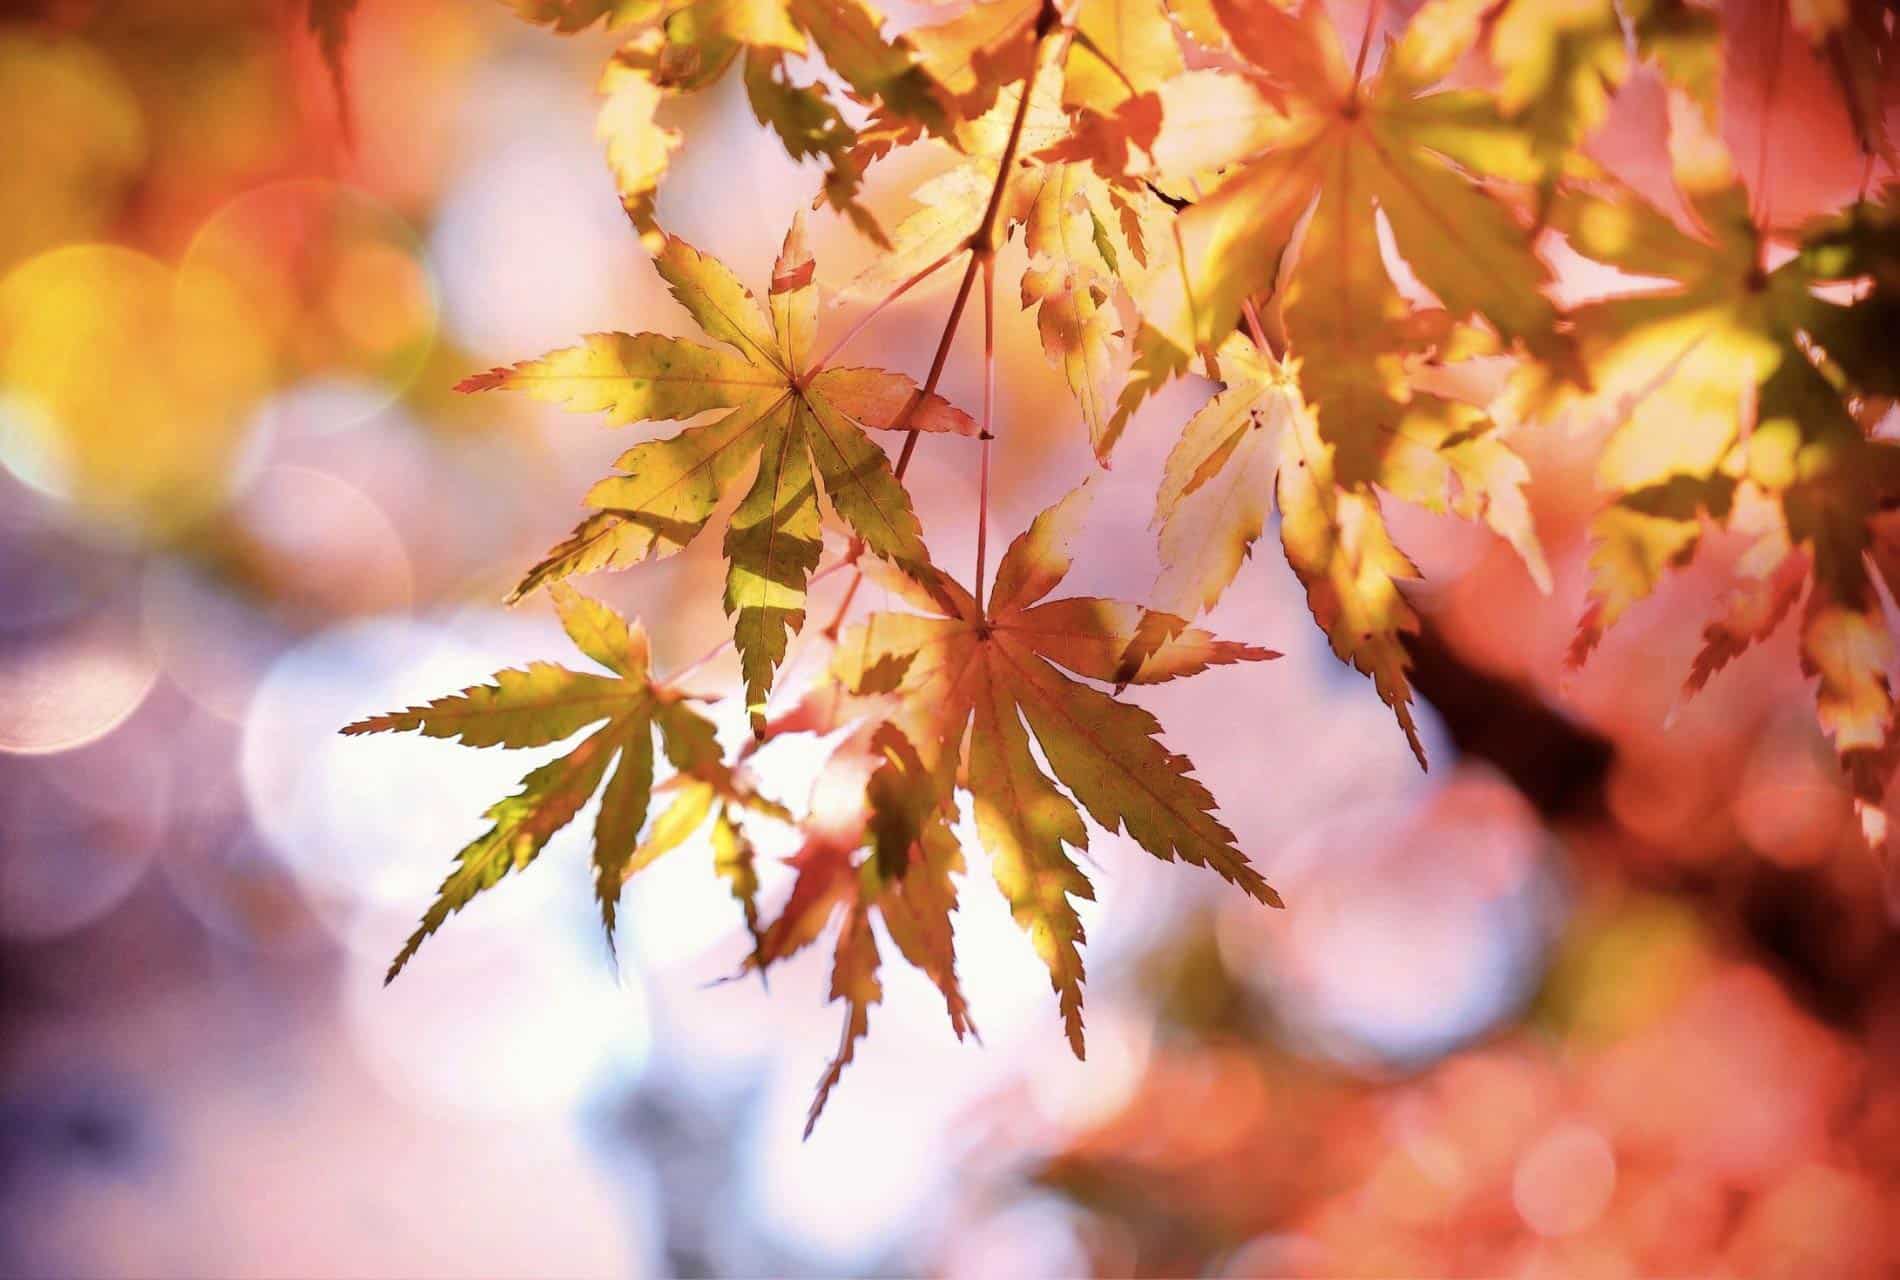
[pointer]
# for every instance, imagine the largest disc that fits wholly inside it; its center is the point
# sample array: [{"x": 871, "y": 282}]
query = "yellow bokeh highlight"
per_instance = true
[
  {"x": 126, "y": 386},
  {"x": 75, "y": 139},
  {"x": 335, "y": 278}
]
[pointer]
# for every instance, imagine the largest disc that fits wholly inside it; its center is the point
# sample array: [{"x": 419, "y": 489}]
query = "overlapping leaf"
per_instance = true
[
  {"x": 803, "y": 427},
  {"x": 679, "y": 46},
  {"x": 1340, "y": 151},
  {"x": 1736, "y": 388},
  {"x": 1560, "y": 65},
  {"x": 890, "y": 854},
  {"x": 1312, "y": 142},
  {"x": 1860, "y": 46},
  {"x": 544, "y": 704},
  {"x": 992, "y": 675},
  {"x": 1112, "y": 56},
  {"x": 1086, "y": 235},
  {"x": 1255, "y": 441}
]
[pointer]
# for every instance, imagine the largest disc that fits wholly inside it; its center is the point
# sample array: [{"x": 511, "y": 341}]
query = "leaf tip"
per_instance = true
[
  {"x": 367, "y": 725},
  {"x": 1584, "y": 643},
  {"x": 487, "y": 381},
  {"x": 795, "y": 265}
]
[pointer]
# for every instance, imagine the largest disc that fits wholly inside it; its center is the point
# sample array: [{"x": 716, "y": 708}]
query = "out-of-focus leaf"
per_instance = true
[
  {"x": 681, "y": 46},
  {"x": 1731, "y": 397}
]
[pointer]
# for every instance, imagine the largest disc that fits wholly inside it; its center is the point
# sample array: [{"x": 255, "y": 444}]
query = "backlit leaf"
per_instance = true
[
  {"x": 799, "y": 431},
  {"x": 976, "y": 682},
  {"x": 547, "y": 704}
]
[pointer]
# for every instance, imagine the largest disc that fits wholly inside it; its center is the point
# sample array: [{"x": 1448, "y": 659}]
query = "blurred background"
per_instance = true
[{"x": 1612, "y": 991}]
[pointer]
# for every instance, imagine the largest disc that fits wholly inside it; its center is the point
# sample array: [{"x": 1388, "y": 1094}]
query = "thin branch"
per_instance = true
[
  {"x": 982, "y": 242},
  {"x": 844, "y": 606},
  {"x": 936, "y": 365},
  {"x": 989, "y": 401}
]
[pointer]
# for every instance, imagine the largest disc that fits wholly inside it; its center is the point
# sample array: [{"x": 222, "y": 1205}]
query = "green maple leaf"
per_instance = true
[{"x": 544, "y": 704}]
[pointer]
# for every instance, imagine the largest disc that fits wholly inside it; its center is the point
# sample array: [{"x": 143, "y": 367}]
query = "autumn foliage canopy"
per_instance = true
[{"x": 1353, "y": 237}]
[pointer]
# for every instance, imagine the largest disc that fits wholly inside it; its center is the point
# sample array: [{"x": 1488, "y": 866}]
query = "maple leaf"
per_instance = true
[
  {"x": 988, "y": 670},
  {"x": 1857, "y": 41},
  {"x": 1256, "y": 440},
  {"x": 803, "y": 425},
  {"x": 1322, "y": 145},
  {"x": 989, "y": 46},
  {"x": 1336, "y": 150},
  {"x": 1125, "y": 50},
  {"x": 543, "y": 704},
  {"x": 1735, "y": 387},
  {"x": 705, "y": 790},
  {"x": 1561, "y": 64},
  {"x": 682, "y": 46},
  {"x": 890, "y": 853},
  {"x": 1114, "y": 55},
  {"x": 1217, "y": 484}
]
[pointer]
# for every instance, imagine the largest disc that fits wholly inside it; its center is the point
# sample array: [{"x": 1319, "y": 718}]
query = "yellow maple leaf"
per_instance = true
[{"x": 797, "y": 427}]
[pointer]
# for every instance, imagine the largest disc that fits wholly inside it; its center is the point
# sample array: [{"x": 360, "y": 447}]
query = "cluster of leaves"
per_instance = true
[{"x": 1337, "y": 240}]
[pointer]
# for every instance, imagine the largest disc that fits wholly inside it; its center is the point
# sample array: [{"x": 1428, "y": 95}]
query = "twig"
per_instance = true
[
  {"x": 889, "y": 298},
  {"x": 936, "y": 366},
  {"x": 844, "y": 606},
  {"x": 982, "y": 242},
  {"x": 989, "y": 400}
]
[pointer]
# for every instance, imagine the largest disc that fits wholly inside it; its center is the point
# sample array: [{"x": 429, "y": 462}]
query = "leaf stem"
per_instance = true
[
  {"x": 844, "y": 606},
  {"x": 1254, "y": 329},
  {"x": 888, "y": 299},
  {"x": 986, "y": 435},
  {"x": 1087, "y": 44},
  {"x": 848, "y": 561},
  {"x": 1764, "y": 129},
  {"x": 1373, "y": 8}
]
